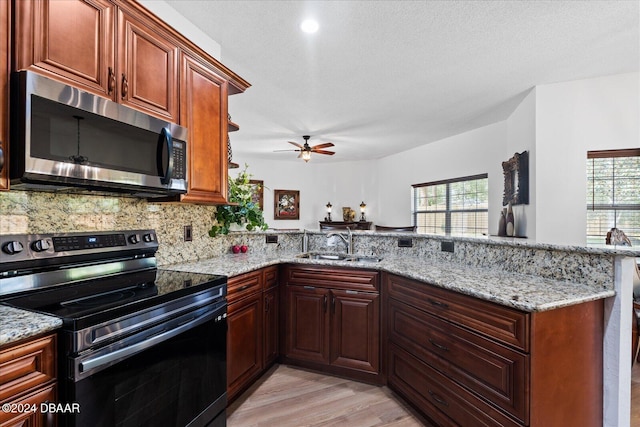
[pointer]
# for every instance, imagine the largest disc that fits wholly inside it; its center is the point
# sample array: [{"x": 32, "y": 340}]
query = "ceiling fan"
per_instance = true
[{"x": 306, "y": 150}]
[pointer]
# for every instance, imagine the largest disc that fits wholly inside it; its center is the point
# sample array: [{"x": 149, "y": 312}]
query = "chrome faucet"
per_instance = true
[{"x": 348, "y": 240}]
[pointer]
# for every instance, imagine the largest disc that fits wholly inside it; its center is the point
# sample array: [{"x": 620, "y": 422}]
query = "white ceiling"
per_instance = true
[{"x": 381, "y": 77}]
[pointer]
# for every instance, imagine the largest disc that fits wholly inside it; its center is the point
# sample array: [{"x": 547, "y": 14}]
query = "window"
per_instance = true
[
  {"x": 457, "y": 206},
  {"x": 613, "y": 194}
]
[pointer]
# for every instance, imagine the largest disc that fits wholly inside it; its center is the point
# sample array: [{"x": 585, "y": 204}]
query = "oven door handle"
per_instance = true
[{"x": 123, "y": 353}]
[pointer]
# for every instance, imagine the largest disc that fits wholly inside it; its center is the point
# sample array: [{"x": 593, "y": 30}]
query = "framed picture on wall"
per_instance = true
[
  {"x": 286, "y": 204},
  {"x": 258, "y": 193}
]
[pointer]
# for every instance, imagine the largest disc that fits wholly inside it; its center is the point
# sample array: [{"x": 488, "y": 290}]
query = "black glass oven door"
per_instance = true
[{"x": 176, "y": 382}]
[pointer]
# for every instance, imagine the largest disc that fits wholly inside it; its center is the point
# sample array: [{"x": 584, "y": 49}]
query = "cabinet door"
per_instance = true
[
  {"x": 5, "y": 48},
  {"x": 355, "y": 330},
  {"x": 203, "y": 111},
  {"x": 307, "y": 334},
  {"x": 147, "y": 68},
  {"x": 31, "y": 418},
  {"x": 71, "y": 40},
  {"x": 270, "y": 302},
  {"x": 244, "y": 338}
]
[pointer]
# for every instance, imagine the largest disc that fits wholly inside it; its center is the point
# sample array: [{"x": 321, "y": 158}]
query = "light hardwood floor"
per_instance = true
[{"x": 290, "y": 397}]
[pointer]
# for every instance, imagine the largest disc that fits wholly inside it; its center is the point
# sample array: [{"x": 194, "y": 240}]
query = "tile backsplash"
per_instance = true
[{"x": 40, "y": 212}]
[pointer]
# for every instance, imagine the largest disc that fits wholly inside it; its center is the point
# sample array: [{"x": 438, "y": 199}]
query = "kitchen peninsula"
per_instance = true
[{"x": 511, "y": 296}]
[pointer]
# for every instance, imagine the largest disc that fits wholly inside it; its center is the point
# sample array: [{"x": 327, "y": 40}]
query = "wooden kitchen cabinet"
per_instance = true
[
  {"x": 465, "y": 361},
  {"x": 27, "y": 379},
  {"x": 71, "y": 40},
  {"x": 333, "y": 321},
  {"x": 5, "y": 49},
  {"x": 74, "y": 41},
  {"x": 271, "y": 306},
  {"x": 204, "y": 112},
  {"x": 252, "y": 321}
]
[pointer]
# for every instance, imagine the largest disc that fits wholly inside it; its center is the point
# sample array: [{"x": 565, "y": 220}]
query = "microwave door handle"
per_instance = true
[{"x": 168, "y": 145}]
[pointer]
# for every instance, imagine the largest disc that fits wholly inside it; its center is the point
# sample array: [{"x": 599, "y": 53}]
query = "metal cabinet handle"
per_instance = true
[
  {"x": 438, "y": 303},
  {"x": 111, "y": 84},
  {"x": 125, "y": 86},
  {"x": 437, "y": 398},
  {"x": 266, "y": 304},
  {"x": 324, "y": 303},
  {"x": 333, "y": 305},
  {"x": 1, "y": 157},
  {"x": 440, "y": 346},
  {"x": 242, "y": 288}
]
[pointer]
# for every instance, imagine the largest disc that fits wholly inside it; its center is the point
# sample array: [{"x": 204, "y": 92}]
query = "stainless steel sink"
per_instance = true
[
  {"x": 340, "y": 257},
  {"x": 329, "y": 257},
  {"x": 365, "y": 259}
]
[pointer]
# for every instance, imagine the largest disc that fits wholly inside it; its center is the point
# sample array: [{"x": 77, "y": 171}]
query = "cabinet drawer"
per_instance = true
[
  {"x": 335, "y": 278},
  {"x": 438, "y": 396},
  {"x": 29, "y": 418},
  {"x": 244, "y": 285},
  {"x": 26, "y": 366},
  {"x": 496, "y": 372},
  {"x": 270, "y": 277},
  {"x": 500, "y": 323}
]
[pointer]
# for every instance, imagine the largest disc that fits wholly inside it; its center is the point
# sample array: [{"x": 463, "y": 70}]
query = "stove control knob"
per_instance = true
[
  {"x": 12, "y": 248},
  {"x": 150, "y": 237},
  {"x": 40, "y": 245},
  {"x": 134, "y": 238}
]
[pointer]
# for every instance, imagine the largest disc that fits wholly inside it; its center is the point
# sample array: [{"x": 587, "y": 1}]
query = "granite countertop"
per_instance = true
[
  {"x": 520, "y": 291},
  {"x": 17, "y": 324}
]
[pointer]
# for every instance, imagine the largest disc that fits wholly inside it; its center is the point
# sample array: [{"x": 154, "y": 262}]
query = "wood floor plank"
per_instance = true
[{"x": 291, "y": 397}]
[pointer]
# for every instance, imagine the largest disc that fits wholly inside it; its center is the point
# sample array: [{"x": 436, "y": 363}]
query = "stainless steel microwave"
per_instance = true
[{"x": 65, "y": 139}]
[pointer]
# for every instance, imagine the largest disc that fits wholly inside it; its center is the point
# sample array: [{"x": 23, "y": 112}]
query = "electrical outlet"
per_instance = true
[
  {"x": 404, "y": 242},
  {"x": 271, "y": 239},
  {"x": 446, "y": 246},
  {"x": 188, "y": 233}
]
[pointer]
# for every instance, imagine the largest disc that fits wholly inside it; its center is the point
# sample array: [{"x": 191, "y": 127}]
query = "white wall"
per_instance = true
[
  {"x": 478, "y": 151},
  {"x": 342, "y": 184},
  {"x": 521, "y": 136},
  {"x": 571, "y": 119}
]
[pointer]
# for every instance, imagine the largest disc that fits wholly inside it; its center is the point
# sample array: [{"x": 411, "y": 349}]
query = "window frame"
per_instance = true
[
  {"x": 609, "y": 154},
  {"x": 448, "y": 211}
]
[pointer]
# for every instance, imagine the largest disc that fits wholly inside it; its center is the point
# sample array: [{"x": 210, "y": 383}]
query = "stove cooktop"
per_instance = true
[{"x": 91, "y": 302}]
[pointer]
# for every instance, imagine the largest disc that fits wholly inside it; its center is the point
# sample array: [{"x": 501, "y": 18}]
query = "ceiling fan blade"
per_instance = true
[
  {"x": 325, "y": 145},
  {"x": 330, "y": 153},
  {"x": 296, "y": 144},
  {"x": 275, "y": 151}
]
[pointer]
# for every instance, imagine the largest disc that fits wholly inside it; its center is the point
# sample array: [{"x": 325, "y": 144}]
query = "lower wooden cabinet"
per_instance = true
[
  {"x": 460, "y": 364},
  {"x": 28, "y": 379},
  {"x": 330, "y": 325},
  {"x": 252, "y": 321}
]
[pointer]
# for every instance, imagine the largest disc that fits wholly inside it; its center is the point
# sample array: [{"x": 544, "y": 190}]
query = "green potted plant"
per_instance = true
[{"x": 242, "y": 209}]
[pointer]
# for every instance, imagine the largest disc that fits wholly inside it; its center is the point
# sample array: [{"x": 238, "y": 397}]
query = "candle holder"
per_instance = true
[
  {"x": 328, "y": 217},
  {"x": 363, "y": 208}
]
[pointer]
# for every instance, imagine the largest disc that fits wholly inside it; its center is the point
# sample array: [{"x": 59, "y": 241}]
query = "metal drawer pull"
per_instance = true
[
  {"x": 309, "y": 287},
  {"x": 438, "y": 303},
  {"x": 437, "y": 398},
  {"x": 242, "y": 288},
  {"x": 440, "y": 346}
]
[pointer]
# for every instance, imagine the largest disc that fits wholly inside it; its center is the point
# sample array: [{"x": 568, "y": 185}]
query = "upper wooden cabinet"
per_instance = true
[
  {"x": 75, "y": 40},
  {"x": 71, "y": 40},
  {"x": 5, "y": 48},
  {"x": 203, "y": 110},
  {"x": 147, "y": 67}
]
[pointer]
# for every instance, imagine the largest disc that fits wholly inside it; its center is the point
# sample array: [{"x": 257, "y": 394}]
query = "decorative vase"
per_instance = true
[
  {"x": 511, "y": 226},
  {"x": 238, "y": 227},
  {"x": 502, "y": 224}
]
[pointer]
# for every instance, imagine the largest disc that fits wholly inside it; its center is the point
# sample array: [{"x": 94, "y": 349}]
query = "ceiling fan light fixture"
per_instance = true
[{"x": 306, "y": 155}]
